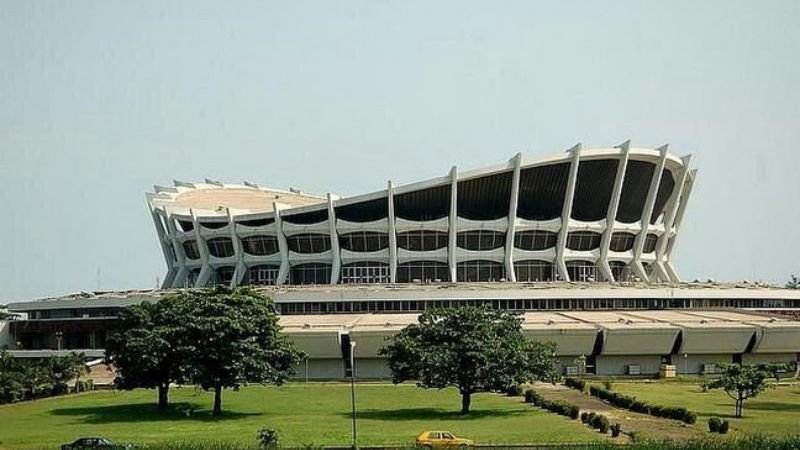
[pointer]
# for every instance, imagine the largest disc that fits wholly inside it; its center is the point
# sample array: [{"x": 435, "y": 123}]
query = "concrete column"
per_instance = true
[
  {"x": 163, "y": 237},
  {"x": 684, "y": 200},
  {"x": 238, "y": 251},
  {"x": 611, "y": 214},
  {"x": 647, "y": 211},
  {"x": 516, "y": 161},
  {"x": 202, "y": 248},
  {"x": 566, "y": 212},
  {"x": 392, "y": 232},
  {"x": 452, "y": 246},
  {"x": 180, "y": 277},
  {"x": 283, "y": 246},
  {"x": 669, "y": 220},
  {"x": 336, "y": 259}
]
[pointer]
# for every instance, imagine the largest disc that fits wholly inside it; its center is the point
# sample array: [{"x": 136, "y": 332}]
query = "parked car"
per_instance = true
[
  {"x": 95, "y": 443},
  {"x": 438, "y": 439}
]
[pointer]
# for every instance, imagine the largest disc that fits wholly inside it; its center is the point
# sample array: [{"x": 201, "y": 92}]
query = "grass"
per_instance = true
[
  {"x": 775, "y": 412},
  {"x": 305, "y": 414}
]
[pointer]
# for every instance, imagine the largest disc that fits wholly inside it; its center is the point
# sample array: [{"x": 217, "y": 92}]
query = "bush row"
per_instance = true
[
  {"x": 633, "y": 404},
  {"x": 575, "y": 383},
  {"x": 596, "y": 421},
  {"x": 559, "y": 406},
  {"x": 717, "y": 425}
]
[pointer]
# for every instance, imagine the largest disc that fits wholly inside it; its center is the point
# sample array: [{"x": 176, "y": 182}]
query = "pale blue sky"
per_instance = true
[{"x": 101, "y": 100}]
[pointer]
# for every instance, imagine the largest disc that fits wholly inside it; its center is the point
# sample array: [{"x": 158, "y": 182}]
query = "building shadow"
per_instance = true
[
  {"x": 146, "y": 412},
  {"x": 431, "y": 414}
]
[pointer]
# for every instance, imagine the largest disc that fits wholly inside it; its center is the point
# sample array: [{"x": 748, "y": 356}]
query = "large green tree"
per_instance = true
[
  {"x": 146, "y": 347},
  {"x": 233, "y": 337},
  {"x": 742, "y": 381},
  {"x": 469, "y": 348}
]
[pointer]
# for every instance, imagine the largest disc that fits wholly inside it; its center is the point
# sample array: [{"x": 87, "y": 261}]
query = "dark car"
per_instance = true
[{"x": 95, "y": 443}]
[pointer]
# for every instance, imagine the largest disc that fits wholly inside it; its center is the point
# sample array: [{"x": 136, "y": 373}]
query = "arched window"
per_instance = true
[
  {"x": 220, "y": 247},
  {"x": 581, "y": 271},
  {"x": 534, "y": 271},
  {"x": 621, "y": 271},
  {"x": 263, "y": 274},
  {"x": 364, "y": 241},
  {"x": 309, "y": 243},
  {"x": 222, "y": 275},
  {"x": 535, "y": 240},
  {"x": 260, "y": 245},
  {"x": 480, "y": 240},
  {"x": 312, "y": 273},
  {"x": 422, "y": 240},
  {"x": 480, "y": 270},
  {"x": 650, "y": 243},
  {"x": 365, "y": 272},
  {"x": 621, "y": 242},
  {"x": 583, "y": 240},
  {"x": 422, "y": 271},
  {"x": 190, "y": 249}
]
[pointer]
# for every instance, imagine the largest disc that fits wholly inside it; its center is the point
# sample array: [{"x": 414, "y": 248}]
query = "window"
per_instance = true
[
  {"x": 309, "y": 243},
  {"x": 581, "y": 271},
  {"x": 621, "y": 271},
  {"x": 220, "y": 247},
  {"x": 480, "y": 270},
  {"x": 621, "y": 242},
  {"x": 190, "y": 249},
  {"x": 535, "y": 240},
  {"x": 256, "y": 222},
  {"x": 480, "y": 240},
  {"x": 365, "y": 272},
  {"x": 583, "y": 240},
  {"x": 222, "y": 275},
  {"x": 650, "y": 243},
  {"x": 264, "y": 274},
  {"x": 534, "y": 271},
  {"x": 213, "y": 225},
  {"x": 260, "y": 245},
  {"x": 421, "y": 240},
  {"x": 364, "y": 241},
  {"x": 422, "y": 271},
  {"x": 313, "y": 273},
  {"x": 191, "y": 278}
]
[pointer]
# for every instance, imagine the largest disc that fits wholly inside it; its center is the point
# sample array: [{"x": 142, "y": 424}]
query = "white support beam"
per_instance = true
[
  {"x": 452, "y": 247},
  {"x": 669, "y": 219},
  {"x": 684, "y": 200},
  {"x": 183, "y": 272},
  {"x": 336, "y": 257},
  {"x": 283, "y": 246},
  {"x": 392, "y": 232},
  {"x": 163, "y": 237},
  {"x": 566, "y": 212},
  {"x": 202, "y": 248},
  {"x": 516, "y": 161},
  {"x": 611, "y": 214},
  {"x": 647, "y": 211},
  {"x": 238, "y": 251}
]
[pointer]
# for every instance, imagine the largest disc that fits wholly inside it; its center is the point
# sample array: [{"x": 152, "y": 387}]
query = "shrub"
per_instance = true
[
  {"x": 714, "y": 424},
  {"x": 600, "y": 422},
  {"x": 268, "y": 437},
  {"x": 584, "y": 417},
  {"x": 532, "y": 396},
  {"x": 608, "y": 385},
  {"x": 724, "y": 427},
  {"x": 616, "y": 429},
  {"x": 689, "y": 417},
  {"x": 559, "y": 406},
  {"x": 636, "y": 405},
  {"x": 575, "y": 383},
  {"x": 514, "y": 391}
]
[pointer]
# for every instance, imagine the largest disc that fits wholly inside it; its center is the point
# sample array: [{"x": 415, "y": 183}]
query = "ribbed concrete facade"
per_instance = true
[{"x": 585, "y": 215}]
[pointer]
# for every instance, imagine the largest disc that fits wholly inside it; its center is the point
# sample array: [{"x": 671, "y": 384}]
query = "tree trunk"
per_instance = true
[
  {"x": 466, "y": 399},
  {"x": 163, "y": 396},
  {"x": 217, "y": 401}
]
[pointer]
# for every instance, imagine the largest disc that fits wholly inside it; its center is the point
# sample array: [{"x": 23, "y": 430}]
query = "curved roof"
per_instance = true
[{"x": 251, "y": 199}]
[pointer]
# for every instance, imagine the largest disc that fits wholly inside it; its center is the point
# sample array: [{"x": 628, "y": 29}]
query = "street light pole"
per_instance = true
[{"x": 353, "y": 391}]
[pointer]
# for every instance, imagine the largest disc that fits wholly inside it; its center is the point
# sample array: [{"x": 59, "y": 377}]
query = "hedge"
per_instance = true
[
  {"x": 575, "y": 383},
  {"x": 596, "y": 421},
  {"x": 559, "y": 407},
  {"x": 636, "y": 405}
]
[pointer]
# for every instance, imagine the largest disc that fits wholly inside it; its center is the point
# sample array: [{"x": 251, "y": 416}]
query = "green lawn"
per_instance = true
[
  {"x": 775, "y": 412},
  {"x": 316, "y": 413}
]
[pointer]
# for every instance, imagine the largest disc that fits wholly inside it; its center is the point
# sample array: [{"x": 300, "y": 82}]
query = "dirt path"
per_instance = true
[{"x": 646, "y": 425}]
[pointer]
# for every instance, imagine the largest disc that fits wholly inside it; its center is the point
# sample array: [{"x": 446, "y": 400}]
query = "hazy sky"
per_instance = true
[{"x": 101, "y": 100}]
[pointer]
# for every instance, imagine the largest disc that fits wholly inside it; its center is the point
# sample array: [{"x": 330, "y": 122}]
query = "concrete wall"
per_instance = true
[
  {"x": 766, "y": 358},
  {"x": 618, "y": 365},
  {"x": 693, "y": 364}
]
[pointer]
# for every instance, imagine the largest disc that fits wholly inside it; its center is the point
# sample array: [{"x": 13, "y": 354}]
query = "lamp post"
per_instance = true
[
  {"x": 59, "y": 339},
  {"x": 686, "y": 364},
  {"x": 353, "y": 391}
]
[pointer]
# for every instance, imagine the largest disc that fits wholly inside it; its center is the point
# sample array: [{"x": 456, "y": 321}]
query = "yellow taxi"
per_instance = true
[{"x": 438, "y": 439}]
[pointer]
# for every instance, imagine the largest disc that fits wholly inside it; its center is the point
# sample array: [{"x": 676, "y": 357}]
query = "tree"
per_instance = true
[
  {"x": 471, "y": 349},
  {"x": 62, "y": 369},
  {"x": 793, "y": 283},
  {"x": 145, "y": 347},
  {"x": 742, "y": 382},
  {"x": 234, "y": 338}
]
